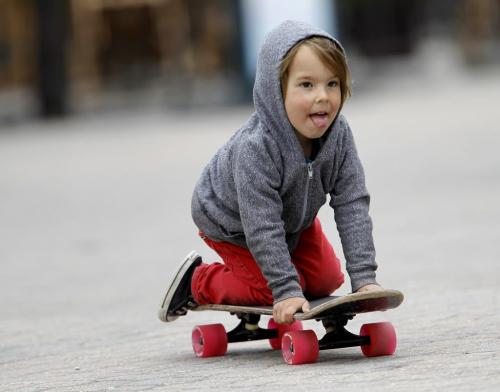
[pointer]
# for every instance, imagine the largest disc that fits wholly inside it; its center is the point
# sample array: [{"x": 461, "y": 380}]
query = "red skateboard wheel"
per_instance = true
[
  {"x": 282, "y": 328},
  {"x": 383, "y": 339},
  {"x": 300, "y": 347},
  {"x": 209, "y": 340}
]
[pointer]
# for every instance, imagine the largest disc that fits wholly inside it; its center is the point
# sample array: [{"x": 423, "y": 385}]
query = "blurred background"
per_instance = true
[{"x": 62, "y": 57}]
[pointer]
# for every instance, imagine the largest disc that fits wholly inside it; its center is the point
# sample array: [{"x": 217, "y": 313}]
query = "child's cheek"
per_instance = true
[
  {"x": 305, "y": 106},
  {"x": 300, "y": 104}
]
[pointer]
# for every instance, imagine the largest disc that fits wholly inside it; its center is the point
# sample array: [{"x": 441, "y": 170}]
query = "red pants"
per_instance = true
[{"x": 239, "y": 280}]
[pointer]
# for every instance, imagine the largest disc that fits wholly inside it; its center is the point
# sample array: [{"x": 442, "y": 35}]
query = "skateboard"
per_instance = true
[{"x": 301, "y": 346}]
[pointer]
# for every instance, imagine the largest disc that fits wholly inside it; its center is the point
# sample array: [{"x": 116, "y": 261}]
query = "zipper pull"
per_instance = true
[{"x": 310, "y": 170}]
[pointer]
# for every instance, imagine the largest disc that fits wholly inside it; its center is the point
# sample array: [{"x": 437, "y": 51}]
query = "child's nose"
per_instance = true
[{"x": 322, "y": 94}]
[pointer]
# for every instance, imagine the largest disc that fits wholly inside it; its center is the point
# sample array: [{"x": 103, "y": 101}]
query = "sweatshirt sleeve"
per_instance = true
[
  {"x": 257, "y": 181},
  {"x": 350, "y": 201}
]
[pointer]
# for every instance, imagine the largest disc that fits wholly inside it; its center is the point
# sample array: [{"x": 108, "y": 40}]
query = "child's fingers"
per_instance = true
[
  {"x": 280, "y": 315},
  {"x": 284, "y": 311}
]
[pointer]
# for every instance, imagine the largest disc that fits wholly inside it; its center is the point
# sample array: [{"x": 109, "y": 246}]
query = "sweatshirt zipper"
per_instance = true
[
  {"x": 306, "y": 195},
  {"x": 310, "y": 171}
]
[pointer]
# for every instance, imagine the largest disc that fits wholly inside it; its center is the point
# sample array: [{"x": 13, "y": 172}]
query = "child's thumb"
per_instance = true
[{"x": 306, "y": 307}]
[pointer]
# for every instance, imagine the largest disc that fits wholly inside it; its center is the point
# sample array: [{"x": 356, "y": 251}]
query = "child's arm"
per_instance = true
[{"x": 350, "y": 201}]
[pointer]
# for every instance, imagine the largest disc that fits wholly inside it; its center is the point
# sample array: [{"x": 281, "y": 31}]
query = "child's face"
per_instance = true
[{"x": 313, "y": 95}]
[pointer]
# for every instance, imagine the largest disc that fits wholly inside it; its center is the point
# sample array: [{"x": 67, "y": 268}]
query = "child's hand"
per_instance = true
[
  {"x": 283, "y": 311},
  {"x": 369, "y": 287}
]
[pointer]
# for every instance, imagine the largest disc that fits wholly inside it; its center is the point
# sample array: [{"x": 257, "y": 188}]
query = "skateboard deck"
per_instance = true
[
  {"x": 300, "y": 346},
  {"x": 350, "y": 304}
]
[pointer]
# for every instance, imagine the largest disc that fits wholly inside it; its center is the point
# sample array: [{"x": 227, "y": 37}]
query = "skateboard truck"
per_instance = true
[
  {"x": 338, "y": 337},
  {"x": 248, "y": 329}
]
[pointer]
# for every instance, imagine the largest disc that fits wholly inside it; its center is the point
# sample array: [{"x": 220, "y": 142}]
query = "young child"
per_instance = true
[{"x": 256, "y": 201}]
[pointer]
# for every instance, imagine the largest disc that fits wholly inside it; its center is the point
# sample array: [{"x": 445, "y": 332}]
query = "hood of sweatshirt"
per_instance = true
[{"x": 267, "y": 96}]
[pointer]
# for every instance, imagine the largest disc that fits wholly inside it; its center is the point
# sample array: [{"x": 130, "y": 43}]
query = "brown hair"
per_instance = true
[{"x": 329, "y": 53}]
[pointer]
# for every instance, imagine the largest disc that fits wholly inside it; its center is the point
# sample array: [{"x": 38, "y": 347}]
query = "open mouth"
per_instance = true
[{"x": 319, "y": 119}]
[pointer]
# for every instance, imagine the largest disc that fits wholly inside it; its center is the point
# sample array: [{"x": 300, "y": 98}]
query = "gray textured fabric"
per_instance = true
[{"x": 258, "y": 191}]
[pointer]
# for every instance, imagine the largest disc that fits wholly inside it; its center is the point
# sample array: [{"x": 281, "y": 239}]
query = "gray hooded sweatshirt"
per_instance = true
[{"x": 259, "y": 192}]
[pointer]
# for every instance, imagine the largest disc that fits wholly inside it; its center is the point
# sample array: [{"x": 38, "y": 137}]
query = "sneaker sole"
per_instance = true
[{"x": 179, "y": 273}]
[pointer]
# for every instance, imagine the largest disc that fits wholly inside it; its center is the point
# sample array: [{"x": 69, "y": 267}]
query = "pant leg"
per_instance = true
[
  {"x": 238, "y": 281},
  {"x": 316, "y": 261}
]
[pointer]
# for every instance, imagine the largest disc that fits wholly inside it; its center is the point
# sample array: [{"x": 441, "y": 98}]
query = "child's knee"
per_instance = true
[{"x": 329, "y": 282}]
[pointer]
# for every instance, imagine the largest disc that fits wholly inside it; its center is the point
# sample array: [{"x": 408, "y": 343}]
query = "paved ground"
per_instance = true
[{"x": 94, "y": 215}]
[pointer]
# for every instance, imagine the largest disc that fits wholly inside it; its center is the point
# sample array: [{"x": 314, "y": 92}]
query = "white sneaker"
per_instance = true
[{"x": 178, "y": 299}]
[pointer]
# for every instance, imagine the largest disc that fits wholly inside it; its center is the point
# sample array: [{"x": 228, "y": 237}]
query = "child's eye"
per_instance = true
[
  {"x": 333, "y": 83},
  {"x": 306, "y": 84}
]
